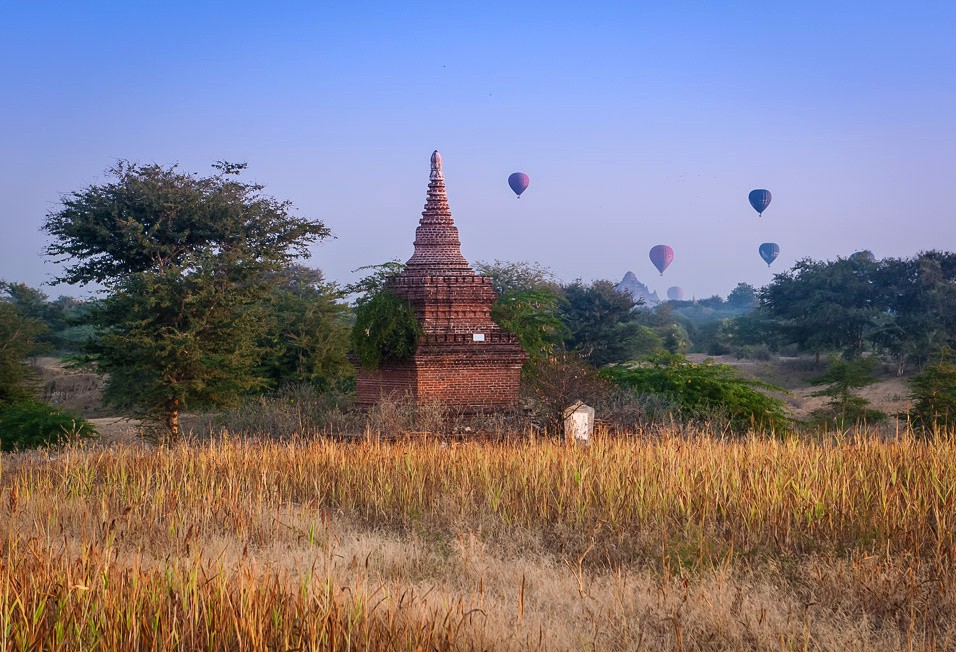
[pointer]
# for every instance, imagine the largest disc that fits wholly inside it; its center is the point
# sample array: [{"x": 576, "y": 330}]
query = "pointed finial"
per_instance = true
[{"x": 436, "y": 172}]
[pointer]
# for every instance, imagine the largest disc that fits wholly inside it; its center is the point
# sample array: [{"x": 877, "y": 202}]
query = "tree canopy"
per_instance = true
[
  {"x": 905, "y": 307},
  {"x": 187, "y": 261}
]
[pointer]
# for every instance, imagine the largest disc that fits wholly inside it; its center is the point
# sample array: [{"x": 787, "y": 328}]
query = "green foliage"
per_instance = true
[
  {"x": 385, "y": 330},
  {"x": 66, "y": 319},
  {"x": 744, "y": 296},
  {"x": 934, "y": 393},
  {"x": 708, "y": 391},
  {"x": 374, "y": 282},
  {"x": 532, "y": 315},
  {"x": 29, "y": 424},
  {"x": 603, "y": 327},
  {"x": 18, "y": 336},
  {"x": 149, "y": 218},
  {"x": 841, "y": 378},
  {"x": 514, "y": 278},
  {"x": 824, "y": 306},
  {"x": 307, "y": 335},
  {"x": 168, "y": 340},
  {"x": 904, "y": 307},
  {"x": 188, "y": 261}
]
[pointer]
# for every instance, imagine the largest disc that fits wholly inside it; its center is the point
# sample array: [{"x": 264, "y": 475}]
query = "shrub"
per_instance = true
[
  {"x": 841, "y": 378},
  {"x": 553, "y": 383},
  {"x": 292, "y": 410},
  {"x": 31, "y": 424},
  {"x": 385, "y": 330},
  {"x": 934, "y": 393},
  {"x": 708, "y": 391}
]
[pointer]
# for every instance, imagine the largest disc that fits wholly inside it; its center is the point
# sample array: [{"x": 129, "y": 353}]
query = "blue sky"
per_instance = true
[{"x": 638, "y": 123}]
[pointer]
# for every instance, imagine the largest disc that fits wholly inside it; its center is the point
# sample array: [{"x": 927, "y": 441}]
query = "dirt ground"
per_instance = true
[{"x": 81, "y": 392}]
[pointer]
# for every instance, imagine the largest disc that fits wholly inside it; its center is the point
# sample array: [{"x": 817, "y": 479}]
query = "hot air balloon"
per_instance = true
[
  {"x": 769, "y": 252},
  {"x": 865, "y": 254},
  {"x": 759, "y": 199},
  {"x": 661, "y": 256},
  {"x": 519, "y": 182},
  {"x": 675, "y": 293}
]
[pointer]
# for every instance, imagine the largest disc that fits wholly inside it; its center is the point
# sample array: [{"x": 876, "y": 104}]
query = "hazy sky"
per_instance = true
[{"x": 638, "y": 122}]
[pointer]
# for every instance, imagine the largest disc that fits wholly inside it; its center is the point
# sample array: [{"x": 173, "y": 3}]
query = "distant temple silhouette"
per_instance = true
[{"x": 463, "y": 359}]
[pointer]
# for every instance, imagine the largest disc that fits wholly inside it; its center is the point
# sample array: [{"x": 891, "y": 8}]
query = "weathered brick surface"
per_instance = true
[{"x": 453, "y": 305}]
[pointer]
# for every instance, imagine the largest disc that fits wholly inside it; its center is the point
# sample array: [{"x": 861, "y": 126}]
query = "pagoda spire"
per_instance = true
[{"x": 437, "y": 247}]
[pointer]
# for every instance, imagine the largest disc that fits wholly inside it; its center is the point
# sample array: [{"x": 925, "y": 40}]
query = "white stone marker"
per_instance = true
[{"x": 578, "y": 422}]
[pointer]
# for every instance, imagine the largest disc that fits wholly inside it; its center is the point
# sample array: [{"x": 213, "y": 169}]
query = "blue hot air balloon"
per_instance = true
[
  {"x": 769, "y": 252},
  {"x": 675, "y": 293},
  {"x": 759, "y": 199},
  {"x": 865, "y": 254},
  {"x": 519, "y": 182},
  {"x": 661, "y": 256}
]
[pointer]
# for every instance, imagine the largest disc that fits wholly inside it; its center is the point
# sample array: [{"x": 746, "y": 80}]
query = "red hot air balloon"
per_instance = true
[
  {"x": 661, "y": 256},
  {"x": 519, "y": 182}
]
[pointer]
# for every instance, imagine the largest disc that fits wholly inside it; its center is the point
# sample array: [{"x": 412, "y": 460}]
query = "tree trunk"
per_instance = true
[{"x": 172, "y": 419}]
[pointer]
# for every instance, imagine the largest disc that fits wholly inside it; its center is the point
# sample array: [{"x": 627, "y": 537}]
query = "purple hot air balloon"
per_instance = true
[
  {"x": 519, "y": 182},
  {"x": 661, "y": 256},
  {"x": 675, "y": 293}
]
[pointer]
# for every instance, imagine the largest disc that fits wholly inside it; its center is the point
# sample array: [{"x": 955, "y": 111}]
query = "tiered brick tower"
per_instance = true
[{"x": 464, "y": 358}]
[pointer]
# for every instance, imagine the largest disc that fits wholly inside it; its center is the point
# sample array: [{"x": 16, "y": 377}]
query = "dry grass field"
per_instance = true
[{"x": 678, "y": 541}]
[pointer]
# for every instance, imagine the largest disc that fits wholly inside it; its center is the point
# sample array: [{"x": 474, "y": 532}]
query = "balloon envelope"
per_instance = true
[
  {"x": 769, "y": 252},
  {"x": 519, "y": 182},
  {"x": 675, "y": 293},
  {"x": 866, "y": 255},
  {"x": 759, "y": 199},
  {"x": 661, "y": 256}
]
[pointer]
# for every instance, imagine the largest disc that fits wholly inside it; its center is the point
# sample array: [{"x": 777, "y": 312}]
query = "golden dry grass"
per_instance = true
[{"x": 633, "y": 543}]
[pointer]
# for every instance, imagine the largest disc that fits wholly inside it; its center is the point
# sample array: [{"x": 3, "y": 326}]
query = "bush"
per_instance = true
[
  {"x": 708, "y": 392},
  {"x": 845, "y": 408},
  {"x": 31, "y": 424},
  {"x": 553, "y": 383},
  {"x": 934, "y": 393},
  {"x": 292, "y": 410},
  {"x": 385, "y": 330}
]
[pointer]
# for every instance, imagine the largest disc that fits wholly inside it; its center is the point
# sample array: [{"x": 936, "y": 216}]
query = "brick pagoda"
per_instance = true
[{"x": 464, "y": 359}]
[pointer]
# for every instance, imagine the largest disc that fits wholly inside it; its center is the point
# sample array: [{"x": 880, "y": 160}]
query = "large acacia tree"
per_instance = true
[{"x": 185, "y": 261}]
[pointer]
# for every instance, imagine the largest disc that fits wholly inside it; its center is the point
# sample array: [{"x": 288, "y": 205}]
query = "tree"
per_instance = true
[
  {"x": 18, "y": 337},
  {"x": 385, "y": 330},
  {"x": 918, "y": 302},
  {"x": 742, "y": 297},
  {"x": 824, "y": 306},
  {"x": 529, "y": 305},
  {"x": 532, "y": 315},
  {"x": 841, "y": 378},
  {"x": 934, "y": 391},
  {"x": 603, "y": 326},
  {"x": 66, "y": 318},
  {"x": 307, "y": 335},
  {"x": 186, "y": 261},
  {"x": 508, "y": 277}
]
